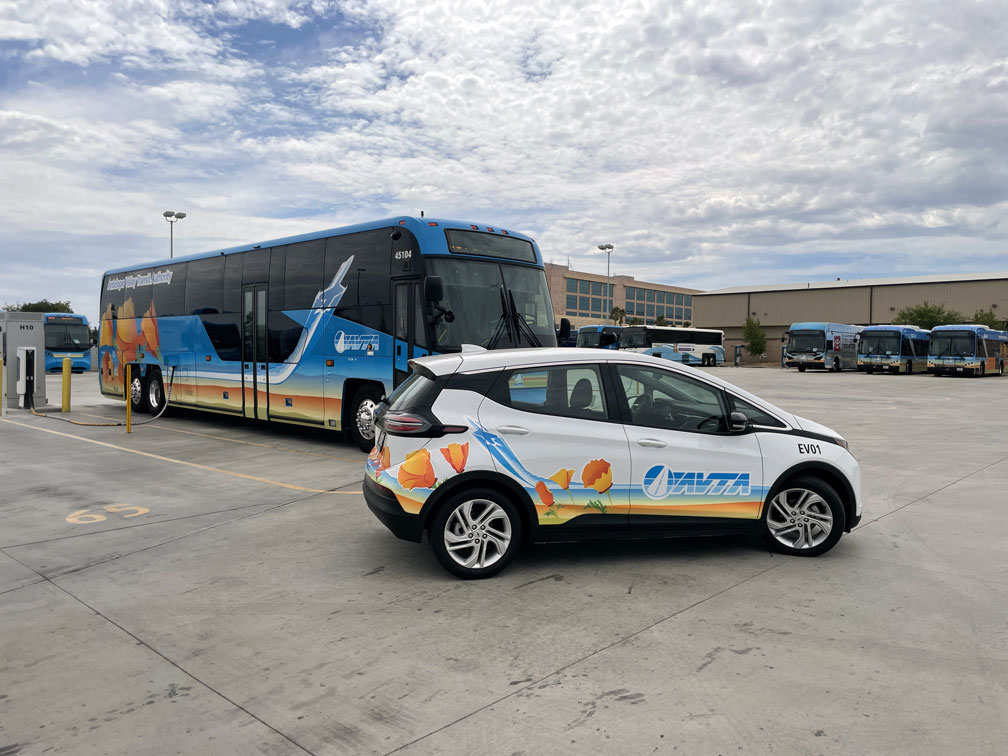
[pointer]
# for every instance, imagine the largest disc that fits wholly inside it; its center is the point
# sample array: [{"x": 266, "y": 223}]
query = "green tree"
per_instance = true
[
  {"x": 617, "y": 315},
  {"x": 43, "y": 305},
  {"x": 660, "y": 321},
  {"x": 634, "y": 321},
  {"x": 927, "y": 316},
  {"x": 989, "y": 319},
  {"x": 753, "y": 337},
  {"x": 687, "y": 324}
]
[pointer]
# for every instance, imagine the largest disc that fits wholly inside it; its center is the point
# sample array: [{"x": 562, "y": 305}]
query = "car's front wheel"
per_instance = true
[
  {"x": 804, "y": 518},
  {"x": 476, "y": 533}
]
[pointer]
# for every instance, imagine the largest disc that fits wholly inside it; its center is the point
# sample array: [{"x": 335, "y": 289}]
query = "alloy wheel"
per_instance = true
[
  {"x": 799, "y": 518},
  {"x": 477, "y": 533},
  {"x": 365, "y": 418}
]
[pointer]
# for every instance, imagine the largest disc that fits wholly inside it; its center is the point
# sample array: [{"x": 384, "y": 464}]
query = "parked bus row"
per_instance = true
[
  {"x": 965, "y": 349},
  {"x": 691, "y": 346}
]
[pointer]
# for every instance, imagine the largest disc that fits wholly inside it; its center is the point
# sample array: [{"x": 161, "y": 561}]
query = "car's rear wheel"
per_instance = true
[
  {"x": 804, "y": 518},
  {"x": 476, "y": 533}
]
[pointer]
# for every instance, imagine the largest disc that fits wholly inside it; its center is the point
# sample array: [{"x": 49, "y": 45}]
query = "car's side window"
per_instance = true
[
  {"x": 755, "y": 414},
  {"x": 663, "y": 399},
  {"x": 566, "y": 391}
]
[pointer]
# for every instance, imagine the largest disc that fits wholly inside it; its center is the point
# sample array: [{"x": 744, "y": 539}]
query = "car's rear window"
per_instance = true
[{"x": 413, "y": 392}]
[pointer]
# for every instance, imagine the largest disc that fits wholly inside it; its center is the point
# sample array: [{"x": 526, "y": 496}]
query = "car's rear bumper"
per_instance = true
[{"x": 384, "y": 505}]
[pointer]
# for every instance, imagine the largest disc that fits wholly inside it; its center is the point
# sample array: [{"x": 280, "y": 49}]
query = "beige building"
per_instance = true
[
  {"x": 588, "y": 298},
  {"x": 867, "y": 301}
]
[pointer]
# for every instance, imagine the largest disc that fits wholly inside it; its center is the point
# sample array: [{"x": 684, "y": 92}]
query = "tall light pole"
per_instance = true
[
  {"x": 608, "y": 248},
  {"x": 172, "y": 217}
]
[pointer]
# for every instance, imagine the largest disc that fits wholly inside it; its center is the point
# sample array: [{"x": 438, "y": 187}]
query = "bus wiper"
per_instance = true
[
  {"x": 521, "y": 325},
  {"x": 503, "y": 324}
]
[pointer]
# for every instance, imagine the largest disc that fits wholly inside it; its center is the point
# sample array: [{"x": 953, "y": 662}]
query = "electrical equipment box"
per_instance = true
[{"x": 22, "y": 331}]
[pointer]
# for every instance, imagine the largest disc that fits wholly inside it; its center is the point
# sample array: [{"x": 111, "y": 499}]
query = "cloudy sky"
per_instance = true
[{"x": 713, "y": 143}]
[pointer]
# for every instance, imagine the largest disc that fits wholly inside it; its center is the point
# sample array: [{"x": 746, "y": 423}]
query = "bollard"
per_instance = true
[
  {"x": 67, "y": 365},
  {"x": 126, "y": 392},
  {"x": 3, "y": 388}
]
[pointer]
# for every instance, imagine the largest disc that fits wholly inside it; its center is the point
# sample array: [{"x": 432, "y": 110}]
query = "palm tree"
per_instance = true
[{"x": 617, "y": 315}]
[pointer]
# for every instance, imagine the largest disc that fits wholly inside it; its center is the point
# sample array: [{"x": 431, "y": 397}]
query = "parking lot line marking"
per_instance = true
[
  {"x": 232, "y": 440},
  {"x": 292, "y": 486}
]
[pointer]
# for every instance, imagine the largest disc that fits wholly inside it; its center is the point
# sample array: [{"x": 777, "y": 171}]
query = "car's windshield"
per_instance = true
[
  {"x": 880, "y": 342},
  {"x": 74, "y": 337},
  {"x": 952, "y": 344},
  {"x": 806, "y": 341},
  {"x": 473, "y": 295}
]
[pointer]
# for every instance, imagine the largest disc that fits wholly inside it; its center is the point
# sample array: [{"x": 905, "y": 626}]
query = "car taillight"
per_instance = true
[
  {"x": 404, "y": 423},
  {"x": 416, "y": 424}
]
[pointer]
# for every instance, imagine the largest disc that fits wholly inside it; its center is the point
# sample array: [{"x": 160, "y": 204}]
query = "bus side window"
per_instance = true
[
  {"x": 303, "y": 274},
  {"x": 169, "y": 298},
  {"x": 203, "y": 286}
]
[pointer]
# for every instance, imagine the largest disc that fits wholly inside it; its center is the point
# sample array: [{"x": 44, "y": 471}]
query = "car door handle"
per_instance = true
[
  {"x": 513, "y": 430},
  {"x": 653, "y": 442}
]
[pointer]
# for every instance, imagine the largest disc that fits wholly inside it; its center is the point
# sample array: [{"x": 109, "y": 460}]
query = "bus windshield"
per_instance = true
[
  {"x": 64, "y": 337},
  {"x": 589, "y": 339},
  {"x": 880, "y": 342},
  {"x": 952, "y": 344},
  {"x": 473, "y": 294},
  {"x": 806, "y": 341},
  {"x": 635, "y": 338}
]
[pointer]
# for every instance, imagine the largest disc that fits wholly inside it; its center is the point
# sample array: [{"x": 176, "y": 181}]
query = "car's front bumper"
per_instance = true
[{"x": 384, "y": 505}]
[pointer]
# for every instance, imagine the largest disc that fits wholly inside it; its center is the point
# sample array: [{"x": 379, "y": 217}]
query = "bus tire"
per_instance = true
[
  {"x": 1000, "y": 368},
  {"x": 983, "y": 371},
  {"x": 801, "y": 368},
  {"x": 154, "y": 391},
  {"x": 137, "y": 393},
  {"x": 836, "y": 364},
  {"x": 938, "y": 373},
  {"x": 909, "y": 367},
  {"x": 364, "y": 402}
]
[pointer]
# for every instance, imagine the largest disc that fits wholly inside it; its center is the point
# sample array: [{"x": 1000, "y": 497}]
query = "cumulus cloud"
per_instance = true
[{"x": 713, "y": 143}]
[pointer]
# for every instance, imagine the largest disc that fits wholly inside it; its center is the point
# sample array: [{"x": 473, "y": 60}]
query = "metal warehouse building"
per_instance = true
[{"x": 867, "y": 301}]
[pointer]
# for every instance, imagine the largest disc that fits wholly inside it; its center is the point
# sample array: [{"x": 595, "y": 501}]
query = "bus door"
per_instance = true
[
  {"x": 409, "y": 331},
  {"x": 255, "y": 381}
]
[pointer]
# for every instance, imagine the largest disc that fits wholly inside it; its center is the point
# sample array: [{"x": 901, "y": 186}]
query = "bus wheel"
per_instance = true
[
  {"x": 869, "y": 370},
  {"x": 155, "y": 392},
  {"x": 909, "y": 367},
  {"x": 836, "y": 364},
  {"x": 362, "y": 429},
  {"x": 1000, "y": 368},
  {"x": 137, "y": 396},
  {"x": 983, "y": 370},
  {"x": 801, "y": 368},
  {"x": 938, "y": 373}
]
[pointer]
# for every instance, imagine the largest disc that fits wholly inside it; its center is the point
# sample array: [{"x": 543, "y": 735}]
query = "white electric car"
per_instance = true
[{"x": 486, "y": 450}]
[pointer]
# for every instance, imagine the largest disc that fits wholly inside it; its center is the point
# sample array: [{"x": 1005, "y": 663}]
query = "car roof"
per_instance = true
[{"x": 474, "y": 359}]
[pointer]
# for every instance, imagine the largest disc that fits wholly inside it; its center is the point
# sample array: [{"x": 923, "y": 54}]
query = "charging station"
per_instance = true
[{"x": 22, "y": 343}]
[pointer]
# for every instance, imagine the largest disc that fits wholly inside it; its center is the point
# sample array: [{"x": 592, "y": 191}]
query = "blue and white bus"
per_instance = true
[
  {"x": 67, "y": 335},
  {"x": 316, "y": 329},
  {"x": 821, "y": 346},
  {"x": 967, "y": 350},
  {"x": 599, "y": 336},
  {"x": 893, "y": 348},
  {"x": 691, "y": 346}
]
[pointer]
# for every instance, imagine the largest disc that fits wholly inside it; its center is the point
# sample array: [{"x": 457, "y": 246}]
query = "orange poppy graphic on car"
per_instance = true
[
  {"x": 457, "y": 455},
  {"x": 544, "y": 494},
  {"x": 417, "y": 471},
  {"x": 562, "y": 478},
  {"x": 383, "y": 460},
  {"x": 597, "y": 474}
]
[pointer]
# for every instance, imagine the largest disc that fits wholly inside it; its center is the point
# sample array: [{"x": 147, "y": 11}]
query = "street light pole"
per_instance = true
[
  {"x": 172, "y": 217},
  {"x": 608, "y": 248}
]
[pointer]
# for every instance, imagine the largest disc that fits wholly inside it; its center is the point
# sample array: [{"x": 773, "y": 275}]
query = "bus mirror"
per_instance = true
[
  {"x": 433, "y": 289},
  {"x": 565, "y": 328}
]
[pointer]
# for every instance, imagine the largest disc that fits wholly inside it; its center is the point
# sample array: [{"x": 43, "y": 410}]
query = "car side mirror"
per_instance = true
[
  {"x": 738, "y": 422},
  {"x": 565, "y": 328},
  {"x": 433, "y": 289}
]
